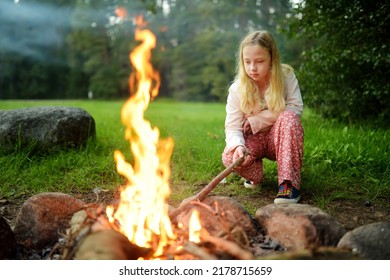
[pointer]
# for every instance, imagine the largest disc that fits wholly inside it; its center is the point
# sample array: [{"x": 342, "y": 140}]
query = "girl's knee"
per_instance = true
[
  {"x": 287, "y": 114},
  {"x": 289, "y": 117}
]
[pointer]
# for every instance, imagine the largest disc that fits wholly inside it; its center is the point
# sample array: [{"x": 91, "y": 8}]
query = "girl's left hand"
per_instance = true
[{"x": 247, "y": 128}]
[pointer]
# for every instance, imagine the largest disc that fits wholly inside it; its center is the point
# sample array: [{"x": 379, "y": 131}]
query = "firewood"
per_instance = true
[
  {"x": 110, "y": 245},
  {"x": 227, "y": 246},
  {"x": 206, "y": 206},
  {"x": 198, "y": 251}
]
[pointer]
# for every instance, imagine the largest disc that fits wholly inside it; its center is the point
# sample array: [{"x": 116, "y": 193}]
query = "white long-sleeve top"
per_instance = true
[{"x": 261, "y": 119}]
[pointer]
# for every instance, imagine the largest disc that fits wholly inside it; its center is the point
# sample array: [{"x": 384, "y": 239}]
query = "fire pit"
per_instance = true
[{"x": 217, "y": 228}]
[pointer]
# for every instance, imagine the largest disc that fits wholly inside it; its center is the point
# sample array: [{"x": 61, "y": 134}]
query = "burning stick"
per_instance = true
[{"x": 206, "y": 190}]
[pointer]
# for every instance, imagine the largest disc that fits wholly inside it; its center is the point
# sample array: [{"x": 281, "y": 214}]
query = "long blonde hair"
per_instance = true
[{"x": 249, "y": 90}]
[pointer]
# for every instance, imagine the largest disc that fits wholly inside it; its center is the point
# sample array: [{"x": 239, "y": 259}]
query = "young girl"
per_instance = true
[{"x": 263, "y": 113}]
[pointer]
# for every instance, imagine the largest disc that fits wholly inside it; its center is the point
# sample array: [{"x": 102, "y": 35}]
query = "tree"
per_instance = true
[
  {"x": 100, "y": 43},
  {"x": 202, "y": 41},
  {"x": 346, "y": 58},
  {"x": 65, "y": 49}
]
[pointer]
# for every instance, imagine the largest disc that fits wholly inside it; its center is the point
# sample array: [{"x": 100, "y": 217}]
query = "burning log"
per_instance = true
[
  {"x": 109, "y": 244},
  {"x": 91, "y": 237}
]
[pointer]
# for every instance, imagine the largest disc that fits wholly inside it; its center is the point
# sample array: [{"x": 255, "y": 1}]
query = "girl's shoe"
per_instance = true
[
  {"x": 250, "y": 185},
  {"x": 287, "y": 194}
]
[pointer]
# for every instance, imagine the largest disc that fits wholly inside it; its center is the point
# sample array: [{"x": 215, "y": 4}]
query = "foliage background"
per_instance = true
[
  {"x": 346, "y": 58},
  {"x": 64, "y": 49}
]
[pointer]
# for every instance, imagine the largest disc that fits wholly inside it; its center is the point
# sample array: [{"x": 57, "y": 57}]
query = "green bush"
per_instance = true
[{"x": 345, "y": 64}]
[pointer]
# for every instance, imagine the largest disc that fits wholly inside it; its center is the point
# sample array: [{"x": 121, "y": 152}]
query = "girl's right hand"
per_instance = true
[{"x": 239, "y": 152}]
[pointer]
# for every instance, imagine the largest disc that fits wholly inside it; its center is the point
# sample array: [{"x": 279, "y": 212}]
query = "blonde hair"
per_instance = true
[{"x": 249, "y": 90}]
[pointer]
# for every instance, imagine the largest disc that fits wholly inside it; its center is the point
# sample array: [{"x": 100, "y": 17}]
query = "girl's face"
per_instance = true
[{"x": 257, "y": 63}]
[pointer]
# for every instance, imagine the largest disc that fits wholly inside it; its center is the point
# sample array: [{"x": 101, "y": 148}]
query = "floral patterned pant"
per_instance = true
[{"x": 283, "y": 144}]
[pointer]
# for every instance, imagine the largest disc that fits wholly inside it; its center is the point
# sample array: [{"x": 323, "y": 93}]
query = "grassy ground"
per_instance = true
[{"x": 340, "y": 162}]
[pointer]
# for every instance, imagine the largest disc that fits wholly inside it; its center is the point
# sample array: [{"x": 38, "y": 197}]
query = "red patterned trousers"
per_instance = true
[{"x": 283, "y": 144}]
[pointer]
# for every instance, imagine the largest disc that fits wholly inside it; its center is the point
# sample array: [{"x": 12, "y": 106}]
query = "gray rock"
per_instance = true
[
  {"x": 370, "y": 241},
  {"x": 45, "y": 128},
  {"x": 299, "y": 226}
]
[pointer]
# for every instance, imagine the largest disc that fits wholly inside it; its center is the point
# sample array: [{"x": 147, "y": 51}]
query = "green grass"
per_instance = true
[
  {"x": 345, "y": 162},
  {"x": 340, "y": 162}
]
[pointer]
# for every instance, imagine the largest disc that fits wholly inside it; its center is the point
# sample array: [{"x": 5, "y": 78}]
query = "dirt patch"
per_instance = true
[{"x": 351, "y": 214}]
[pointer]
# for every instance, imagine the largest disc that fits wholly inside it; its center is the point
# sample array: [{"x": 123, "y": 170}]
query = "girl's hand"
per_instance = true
[
  {"x": 240, "y": 151},
  {"x": 247, "y": 128}
]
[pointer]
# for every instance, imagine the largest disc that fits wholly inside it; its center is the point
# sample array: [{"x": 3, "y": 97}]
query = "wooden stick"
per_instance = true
[
  {"x": 206, "y": 190},
  {"x": 203, "y": 193},
  {"x": 205, "y": 206},
  {"x": 197, "y": 251},
  {"x": 227, "y": 246}
]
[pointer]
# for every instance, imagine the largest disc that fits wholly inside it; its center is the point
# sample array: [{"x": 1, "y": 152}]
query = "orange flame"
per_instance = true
[
  {"x": 194, "y": 227},
  {"x": 143, "y": 212}
]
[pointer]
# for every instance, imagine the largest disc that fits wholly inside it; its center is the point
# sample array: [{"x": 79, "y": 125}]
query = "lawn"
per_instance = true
[{"x": 340, "y": 161}]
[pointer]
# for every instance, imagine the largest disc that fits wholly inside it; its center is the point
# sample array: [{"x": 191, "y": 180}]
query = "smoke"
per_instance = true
[
  {"x": 38, "y": 30},
  {"x": 31, "y": 29}
]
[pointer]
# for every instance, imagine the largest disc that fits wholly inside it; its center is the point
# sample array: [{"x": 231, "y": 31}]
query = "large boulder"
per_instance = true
[
  {"x": 45, "y": 128},
  {"x": 299, "y": 226}
]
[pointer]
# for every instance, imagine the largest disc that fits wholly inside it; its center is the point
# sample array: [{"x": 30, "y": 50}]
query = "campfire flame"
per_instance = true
[
  {"x": 142, "y": 214},
  {"x": 194, "y": 227}
]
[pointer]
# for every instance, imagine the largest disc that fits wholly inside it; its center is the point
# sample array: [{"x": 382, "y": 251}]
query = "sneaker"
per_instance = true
[
  {"x": 287, "y": 194},
  {"x": 223, "y": 181},
  {"x": 250, "y": 185}
]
